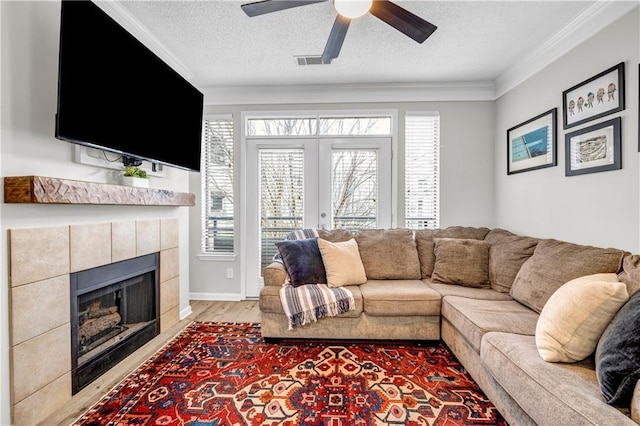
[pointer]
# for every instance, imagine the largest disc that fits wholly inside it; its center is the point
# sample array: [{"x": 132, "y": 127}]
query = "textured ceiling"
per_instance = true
[{"x": 475, "y": 41}]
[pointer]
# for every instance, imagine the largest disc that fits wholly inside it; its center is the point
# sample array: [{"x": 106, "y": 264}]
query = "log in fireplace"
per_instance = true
[{"x": 114, "y": 311}]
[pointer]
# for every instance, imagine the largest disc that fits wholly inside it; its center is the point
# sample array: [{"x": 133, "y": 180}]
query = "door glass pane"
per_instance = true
[
  {"x": 281, "y": 197},
  {"x": 354, "y": 188}
]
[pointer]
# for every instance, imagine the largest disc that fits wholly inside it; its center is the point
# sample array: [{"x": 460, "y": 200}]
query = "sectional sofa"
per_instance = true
[{"x": 545, "y": 327}]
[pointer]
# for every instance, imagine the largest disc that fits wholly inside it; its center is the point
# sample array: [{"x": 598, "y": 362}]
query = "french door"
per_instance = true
[{"x": 323, "y": 183}]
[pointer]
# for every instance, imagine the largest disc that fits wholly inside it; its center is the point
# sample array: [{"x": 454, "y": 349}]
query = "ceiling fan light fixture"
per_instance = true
[{"x": 352, "y": 8}]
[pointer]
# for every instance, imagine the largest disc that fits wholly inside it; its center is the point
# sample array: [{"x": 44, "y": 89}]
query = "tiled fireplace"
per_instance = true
[{"x": 42, "y": 264}]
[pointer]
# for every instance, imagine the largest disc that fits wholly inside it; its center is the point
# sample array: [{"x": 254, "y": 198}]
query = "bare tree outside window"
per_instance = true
[{"x": 355, "y": 189}]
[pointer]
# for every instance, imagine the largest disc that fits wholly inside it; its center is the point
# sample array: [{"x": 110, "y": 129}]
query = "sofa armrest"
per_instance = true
[
  {"x": 635, "y": 403},
  {"x": 274, "y": 274}
]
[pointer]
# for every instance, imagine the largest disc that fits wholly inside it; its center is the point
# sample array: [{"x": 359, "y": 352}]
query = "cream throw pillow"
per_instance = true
[
  {"x": 576, "y": 315},
  {"x": 342, "y": 263}
]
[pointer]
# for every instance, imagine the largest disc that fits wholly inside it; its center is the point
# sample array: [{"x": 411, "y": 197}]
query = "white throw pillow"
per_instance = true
[
  {"x": 342, "y": 263},
  {"x": 575, "y": 316}
]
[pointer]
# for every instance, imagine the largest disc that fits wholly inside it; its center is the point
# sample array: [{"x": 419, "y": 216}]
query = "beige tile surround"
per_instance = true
[{"x": 40, "y": 261}]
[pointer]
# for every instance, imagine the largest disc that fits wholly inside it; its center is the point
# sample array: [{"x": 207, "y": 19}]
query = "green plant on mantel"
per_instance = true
[{"x": 132, "y": 171}]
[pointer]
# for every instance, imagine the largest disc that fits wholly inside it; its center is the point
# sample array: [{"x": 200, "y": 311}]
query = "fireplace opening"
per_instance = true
[{"x": 114, "y": 311}]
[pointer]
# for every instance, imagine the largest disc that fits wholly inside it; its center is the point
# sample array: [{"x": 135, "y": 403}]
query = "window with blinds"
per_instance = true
[
  {"x": 217, "y": 186},
  {"x": 422, "y": 170}
]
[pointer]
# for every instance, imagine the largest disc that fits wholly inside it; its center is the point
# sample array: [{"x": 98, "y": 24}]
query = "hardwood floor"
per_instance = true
[{"x": 243, "y": 311}]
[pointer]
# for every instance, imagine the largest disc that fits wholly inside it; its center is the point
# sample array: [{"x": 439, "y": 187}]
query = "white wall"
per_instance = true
[
  {"x": 466, "y": 177},
  {"x": 30, "y": 32},
  {"x": 600, "y": 208}
]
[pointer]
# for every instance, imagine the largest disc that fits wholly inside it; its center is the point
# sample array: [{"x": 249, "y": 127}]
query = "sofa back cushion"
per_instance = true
[
  {"x": 507, "y": 254},
  {"x": 630, "y": 274},
  {"x": 335, "y": 235},
  {"x": 388, "y": 254},
  {"x": 425, "y": 244},
  {"x": 462, "y": 232},
  {"x": 461, "y": 261},
  {"x": 556, "y": 262}
]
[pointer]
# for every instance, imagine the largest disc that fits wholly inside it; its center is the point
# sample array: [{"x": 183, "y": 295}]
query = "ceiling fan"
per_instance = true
[{"x": 401, "y": 19}]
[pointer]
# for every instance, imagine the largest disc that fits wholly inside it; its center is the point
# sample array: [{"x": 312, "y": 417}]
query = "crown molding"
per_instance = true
[
  {"x": 595, "y": 18},
  {"x": 120, "y": 14},
  {"x": 350, "y": 93},
  {"x": 598, "y": 16}
]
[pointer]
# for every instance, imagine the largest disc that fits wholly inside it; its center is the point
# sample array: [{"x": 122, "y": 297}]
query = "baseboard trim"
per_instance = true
[
  {"x": 234, "y": 297},
  {"x": 185, "y": 312}
]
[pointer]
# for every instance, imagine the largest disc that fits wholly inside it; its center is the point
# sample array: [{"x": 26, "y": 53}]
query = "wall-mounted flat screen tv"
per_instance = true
[{"x": 117, "y": 95}]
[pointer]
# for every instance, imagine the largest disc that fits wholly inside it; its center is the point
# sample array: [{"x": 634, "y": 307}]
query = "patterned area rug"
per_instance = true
[{"x": 225, "y": 374}]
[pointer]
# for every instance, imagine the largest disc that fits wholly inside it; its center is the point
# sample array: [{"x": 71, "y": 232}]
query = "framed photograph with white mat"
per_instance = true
[
  {"x": 532, "y": 144},
  {"x": 601, "y": 95},
  {"x": 594, "y": 149}
]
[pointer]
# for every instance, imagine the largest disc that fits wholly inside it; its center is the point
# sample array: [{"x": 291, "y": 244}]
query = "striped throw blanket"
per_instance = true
[{"x": 310, "y": 302}]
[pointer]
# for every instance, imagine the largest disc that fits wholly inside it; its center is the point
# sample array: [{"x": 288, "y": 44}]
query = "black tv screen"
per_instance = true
[{"x": 116, "y": 94}]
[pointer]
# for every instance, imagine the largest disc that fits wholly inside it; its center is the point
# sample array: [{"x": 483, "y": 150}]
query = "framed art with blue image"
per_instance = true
[{"x": 531, "y": 145}]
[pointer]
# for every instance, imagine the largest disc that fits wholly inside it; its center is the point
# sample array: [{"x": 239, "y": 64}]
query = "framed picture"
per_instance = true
[
  {"x": 532, "y": 145},
  {"x": 594, "y": 149},
  {"x": 601, "y": 95}
]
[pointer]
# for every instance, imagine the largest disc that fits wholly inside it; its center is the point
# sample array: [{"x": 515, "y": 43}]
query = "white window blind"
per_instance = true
[
  {"x": 217, "y": 186},
  {"x": 281, "y": 197},
  {"x": 422, "y": 170}
]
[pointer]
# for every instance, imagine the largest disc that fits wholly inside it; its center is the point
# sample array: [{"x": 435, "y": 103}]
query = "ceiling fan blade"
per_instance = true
[
  {"x": 336, "y": 38},
  {"x": 402, "y": 20},
  {"x": 268, "y": 6}
]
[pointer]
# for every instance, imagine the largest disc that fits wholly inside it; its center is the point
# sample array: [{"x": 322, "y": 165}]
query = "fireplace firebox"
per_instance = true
[{"x": 114, "y": 311}]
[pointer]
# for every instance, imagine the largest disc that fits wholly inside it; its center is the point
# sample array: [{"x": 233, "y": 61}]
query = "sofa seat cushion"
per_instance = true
[
  {"x": 269, "y": 301},
  {"x": 470, "y": 292},
  {"x": 399, "y": 298},
  {"x": 473, "y": 318},
  {"x": 551, "y": 393}
]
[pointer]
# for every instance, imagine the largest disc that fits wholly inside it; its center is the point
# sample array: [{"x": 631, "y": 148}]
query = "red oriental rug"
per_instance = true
[{"x": 225, "y": 374}]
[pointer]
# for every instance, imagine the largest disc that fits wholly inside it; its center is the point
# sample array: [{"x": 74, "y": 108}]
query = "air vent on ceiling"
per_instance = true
[{"x": 311, "y": 60}]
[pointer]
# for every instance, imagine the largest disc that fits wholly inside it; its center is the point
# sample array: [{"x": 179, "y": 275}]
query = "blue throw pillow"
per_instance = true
[
  {"x": 618, "y": 354},
  {"x": 303, "y": 261}
]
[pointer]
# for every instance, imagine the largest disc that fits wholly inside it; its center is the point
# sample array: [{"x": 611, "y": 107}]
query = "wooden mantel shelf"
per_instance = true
[{"x": 49, "y": 190}]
